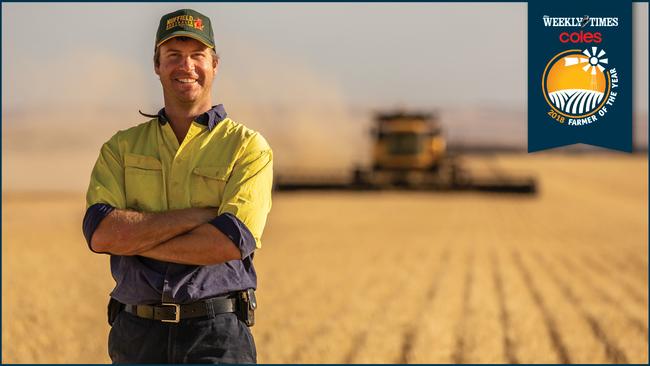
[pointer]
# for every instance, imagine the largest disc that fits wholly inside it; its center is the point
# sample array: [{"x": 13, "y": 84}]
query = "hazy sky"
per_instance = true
[
  {"x": 305, "y": 75},
  {"x": 370, "y": 53}
]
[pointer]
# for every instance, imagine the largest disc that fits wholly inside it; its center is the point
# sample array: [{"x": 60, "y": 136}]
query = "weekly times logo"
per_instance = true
[{"x": 579, "y": 65}]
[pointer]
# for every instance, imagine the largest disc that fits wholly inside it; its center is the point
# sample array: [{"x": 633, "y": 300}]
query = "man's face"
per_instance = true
[{"x": 186, "y": 70}]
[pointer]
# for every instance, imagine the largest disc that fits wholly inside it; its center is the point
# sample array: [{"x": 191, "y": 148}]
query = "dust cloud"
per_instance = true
[
  {"x": 303, "y": 113},
  {"x": 51, "y": 141}
]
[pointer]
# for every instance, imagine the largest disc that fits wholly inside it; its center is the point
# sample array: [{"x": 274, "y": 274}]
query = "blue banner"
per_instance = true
[{"x": 579, "y": 74}]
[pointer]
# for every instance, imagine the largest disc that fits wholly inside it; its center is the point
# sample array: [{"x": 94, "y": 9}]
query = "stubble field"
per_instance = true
[{"x": 386, "y": 277}]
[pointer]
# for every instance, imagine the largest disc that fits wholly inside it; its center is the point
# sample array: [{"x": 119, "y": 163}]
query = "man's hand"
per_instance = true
[{"x": 126, "y": 232}]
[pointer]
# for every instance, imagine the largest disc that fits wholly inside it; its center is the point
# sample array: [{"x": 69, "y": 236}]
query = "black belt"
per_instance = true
[{"x": 173, "y": 313}]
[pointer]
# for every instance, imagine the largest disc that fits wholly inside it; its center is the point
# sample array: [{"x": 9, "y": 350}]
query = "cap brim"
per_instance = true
[{"x": 186, "y": 34}]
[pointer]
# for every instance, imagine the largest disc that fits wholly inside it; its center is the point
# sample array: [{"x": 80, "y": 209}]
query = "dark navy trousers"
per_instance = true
[{"x": 222, "y": 339}]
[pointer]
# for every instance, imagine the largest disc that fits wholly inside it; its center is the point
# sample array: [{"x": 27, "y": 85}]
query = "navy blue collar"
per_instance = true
[{"x": 210, "y": 118}]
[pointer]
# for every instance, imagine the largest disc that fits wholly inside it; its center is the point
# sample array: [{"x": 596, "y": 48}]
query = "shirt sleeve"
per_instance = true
[
  {"x": 247, "y": 194},
  {"x": 106, "y": 189},
  {"x": 107, "y": 178}
]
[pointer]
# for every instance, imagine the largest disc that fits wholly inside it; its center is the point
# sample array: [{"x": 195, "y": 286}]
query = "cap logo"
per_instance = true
[
  {"x": 185, "y": 20},
  {"x": 198, "y": 24}
]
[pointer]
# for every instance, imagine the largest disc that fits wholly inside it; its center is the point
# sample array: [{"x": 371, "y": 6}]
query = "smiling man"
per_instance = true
[{"x": 179, "y": 203}]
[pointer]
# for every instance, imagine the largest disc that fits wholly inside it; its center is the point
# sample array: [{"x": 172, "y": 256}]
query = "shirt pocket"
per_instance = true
[
  {"x": 143, "y": 183},
  {"x": 207, "y": 185}
]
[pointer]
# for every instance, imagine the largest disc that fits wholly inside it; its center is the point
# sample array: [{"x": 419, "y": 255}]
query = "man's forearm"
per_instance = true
[
  {"x": 205, "y": 245},
  {"x": 126, "y": 232}
]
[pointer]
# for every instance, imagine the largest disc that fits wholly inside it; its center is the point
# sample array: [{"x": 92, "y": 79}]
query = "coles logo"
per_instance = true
[
  {"x": 578, "y": 86},
  {"x": 581, "y": 37}
]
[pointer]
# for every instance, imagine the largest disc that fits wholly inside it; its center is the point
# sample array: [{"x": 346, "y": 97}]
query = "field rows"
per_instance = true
[
  {"x": 469, "y": 304},
  {"x": 457, "y": 278}
]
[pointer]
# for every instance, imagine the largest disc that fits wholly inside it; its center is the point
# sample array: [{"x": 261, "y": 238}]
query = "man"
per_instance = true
[{"x": 180, "y": 203}]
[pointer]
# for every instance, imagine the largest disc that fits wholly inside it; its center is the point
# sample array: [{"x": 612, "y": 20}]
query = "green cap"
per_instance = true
[{"x": 185, "y": 23}]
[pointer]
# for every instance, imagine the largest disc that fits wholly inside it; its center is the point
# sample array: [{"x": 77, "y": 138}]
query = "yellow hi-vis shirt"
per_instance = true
[{"x": 144, "y": 168}]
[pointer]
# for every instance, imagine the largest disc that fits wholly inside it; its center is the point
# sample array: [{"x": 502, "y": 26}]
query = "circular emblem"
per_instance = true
[{"x": 575, "y": 83}]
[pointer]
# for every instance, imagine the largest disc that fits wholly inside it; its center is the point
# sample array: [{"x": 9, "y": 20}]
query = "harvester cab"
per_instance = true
[{"x": 407, "y": 141}]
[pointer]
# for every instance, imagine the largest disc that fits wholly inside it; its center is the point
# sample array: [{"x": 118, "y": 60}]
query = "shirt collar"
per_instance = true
[{"x": 210, "y": 118}]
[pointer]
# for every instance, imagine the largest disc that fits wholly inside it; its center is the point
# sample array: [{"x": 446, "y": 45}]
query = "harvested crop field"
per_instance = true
[{"x": 385, "y": 277}]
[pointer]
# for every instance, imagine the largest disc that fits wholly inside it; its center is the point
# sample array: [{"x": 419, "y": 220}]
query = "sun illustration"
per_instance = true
[{"x": 576, "y": 83}]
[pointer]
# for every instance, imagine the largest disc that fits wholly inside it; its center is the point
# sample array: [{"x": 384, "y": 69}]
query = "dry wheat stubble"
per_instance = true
[{"x": 386, "y": 277}]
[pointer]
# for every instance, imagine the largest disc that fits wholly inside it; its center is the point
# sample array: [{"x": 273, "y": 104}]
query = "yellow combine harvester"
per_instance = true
[{"x": 410, "y": 152}]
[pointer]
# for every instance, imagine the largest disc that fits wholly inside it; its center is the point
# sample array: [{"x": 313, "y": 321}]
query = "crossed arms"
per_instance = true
[
  {"x": 188, "y": 236},
  {"x": 180, "y": 236}
]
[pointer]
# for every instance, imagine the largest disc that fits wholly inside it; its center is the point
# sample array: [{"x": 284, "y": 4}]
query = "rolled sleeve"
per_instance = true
[
  {"x": 93, "y": 217},
  {"x": 237, "y": 232},
  {"x": 247, "y": 193}
]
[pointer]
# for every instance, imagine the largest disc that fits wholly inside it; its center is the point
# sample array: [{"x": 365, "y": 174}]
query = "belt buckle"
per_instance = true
[{"x": 177, "y": 314}]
